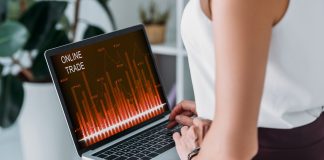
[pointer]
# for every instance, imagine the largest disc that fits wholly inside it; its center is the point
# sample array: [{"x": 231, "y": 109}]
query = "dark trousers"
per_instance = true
[{"x": 301, "y": 143}]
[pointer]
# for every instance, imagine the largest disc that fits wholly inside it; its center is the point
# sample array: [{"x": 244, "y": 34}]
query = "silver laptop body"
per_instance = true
[{"x": 112, "y": 97}]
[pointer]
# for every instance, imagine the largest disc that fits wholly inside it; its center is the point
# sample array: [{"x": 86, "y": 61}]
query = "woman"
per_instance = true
[{"x": 257, "y": 72}]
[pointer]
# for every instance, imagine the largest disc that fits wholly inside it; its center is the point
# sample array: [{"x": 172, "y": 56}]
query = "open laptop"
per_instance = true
[{"x": 112, "y": 97}]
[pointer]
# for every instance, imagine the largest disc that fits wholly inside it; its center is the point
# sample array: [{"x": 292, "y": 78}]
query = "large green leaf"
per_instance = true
[
  {"x": 92, "y": 31},
  {"x": 40, "y": 19},
  {"x": 104, "y": 5},
  {"x": 55, "y": 38},
  {"x": 11, "y": 99},
  {"x": 13, "y": 37}
]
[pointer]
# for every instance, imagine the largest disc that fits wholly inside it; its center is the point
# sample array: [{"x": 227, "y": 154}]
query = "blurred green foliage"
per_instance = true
[{"x": 30, "y": 26}]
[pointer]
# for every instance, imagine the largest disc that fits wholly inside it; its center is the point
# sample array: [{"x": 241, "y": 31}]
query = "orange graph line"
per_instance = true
[{"x": 101, "y": 115}]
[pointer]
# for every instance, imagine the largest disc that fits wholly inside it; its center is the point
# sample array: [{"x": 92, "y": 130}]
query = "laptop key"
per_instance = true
[
  {"x": 160, "y": 139},
  {"x": 98, "y": 153},
  {"x": 146, "y": 134},
  {"x": 121, "y": 146},
  {"x": 143, "y": 141},
  {"x": 119, "y": 153},
  {"x": 152, "y": 149},
  {"x": 153, "y": 154},
  {"x": 154, "y": 136},
  {"x": 163, "y": 143},
  {"x": 157, "y": 146},
  {"x": 140, "y": 148},
  {"x": 129, "y": 154},
  {"x": 169, "y": 134},
  {"x": 133, "y": 158},
  {"x": 131, "y": 147},
  {"x": 146, "y": 152},
  {"x": 108, "y": 153},
  {"x": 137, "y": 139},
  {"x": 136, "y": 144},
  {"x": 141, "y": 136},
  {"x": 125, "y": 150},
  {"x": 145, "y": 158},
  {"x": 139, "y": 155},
  {"x": 134, "y": 151},
  {"x": 146, "y": 145},
  {"x": 131, "y": 141},
  {"x": 121, "y": 158},
  {"x": 110, "y": 157},
  {"x": 152, "y": 142},
  {"x": 101, "y": 155},
  {"x": 165, "y": 148},
  {"x": 114, "y": 149},
  {"x": 165, "y": 136}
]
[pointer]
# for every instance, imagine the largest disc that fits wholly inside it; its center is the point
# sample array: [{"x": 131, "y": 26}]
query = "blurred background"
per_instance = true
[{"x": 32, "y": 125}]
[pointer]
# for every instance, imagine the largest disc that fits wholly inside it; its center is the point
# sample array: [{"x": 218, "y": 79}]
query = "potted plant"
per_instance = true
[
  {"x": 155, "y": 22},
  {"x": 27, "y": 95}
]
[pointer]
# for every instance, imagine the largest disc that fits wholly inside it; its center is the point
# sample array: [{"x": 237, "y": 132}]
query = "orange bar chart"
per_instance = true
[
  {"x": 118, "y": 110},
  {"x": 108, "y": 86}
]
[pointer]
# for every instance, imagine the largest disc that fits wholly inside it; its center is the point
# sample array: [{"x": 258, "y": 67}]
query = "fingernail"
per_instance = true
[{"x": 177, "y": 117}]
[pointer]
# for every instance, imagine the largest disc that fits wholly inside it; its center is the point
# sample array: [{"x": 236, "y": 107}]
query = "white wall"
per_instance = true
[{"x": 126, "y": 13}]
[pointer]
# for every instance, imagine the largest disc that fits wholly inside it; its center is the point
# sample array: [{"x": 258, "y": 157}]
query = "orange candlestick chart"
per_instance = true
[{"x": 118, "y": 103}]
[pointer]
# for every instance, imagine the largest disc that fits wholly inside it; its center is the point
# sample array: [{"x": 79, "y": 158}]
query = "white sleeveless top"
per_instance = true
[{"x": 294, "y": 86}]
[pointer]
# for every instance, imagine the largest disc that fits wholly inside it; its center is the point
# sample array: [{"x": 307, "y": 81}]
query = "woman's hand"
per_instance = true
[
  {"x": 191, "y": 137},
  {"x": 182, "y": 114},
  {"x": 201, "y": 127}
]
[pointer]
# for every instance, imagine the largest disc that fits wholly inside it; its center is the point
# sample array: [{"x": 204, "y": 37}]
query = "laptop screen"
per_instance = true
[{"x": 109, "y": 86}]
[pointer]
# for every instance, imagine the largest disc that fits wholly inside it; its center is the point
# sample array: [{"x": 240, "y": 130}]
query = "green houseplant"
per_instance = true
[
  {"x": 27, "y": 96},
  {"x": 27, "y": 29},
  {"x": 155, "y": 22}
]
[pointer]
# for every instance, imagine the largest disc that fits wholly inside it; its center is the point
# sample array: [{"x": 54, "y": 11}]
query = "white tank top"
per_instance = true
[{"x": 294, "y": 85}]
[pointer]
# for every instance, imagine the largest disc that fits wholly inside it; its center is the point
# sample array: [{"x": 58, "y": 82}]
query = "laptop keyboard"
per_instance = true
[{"x": 142, "y": 146}]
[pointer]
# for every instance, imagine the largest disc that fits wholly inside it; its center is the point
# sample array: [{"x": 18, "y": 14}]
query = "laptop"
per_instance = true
[{"x": 112, "y": 97}]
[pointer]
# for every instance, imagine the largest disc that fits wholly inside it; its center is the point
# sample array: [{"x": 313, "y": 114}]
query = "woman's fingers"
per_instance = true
[
  {"x": 201, "y": 128},
  {"x": 184, "y": 120},
  {"x": 182, "y": 107},
  {"x": 204, "y": 124},
  {"x": 191, "y": 137},
  {"x": 192, "y": 134},
  {"x": 176, "y": 137},
  {"x": 186, "y": 141},
  {"x": 184, "y": 130},
  {"x": 173, "y": 123},
  {"x": 180, "y": 147},
  {"x": 186, "y": 108}
]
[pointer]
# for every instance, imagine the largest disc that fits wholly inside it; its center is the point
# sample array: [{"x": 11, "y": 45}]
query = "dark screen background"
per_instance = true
[{"x": 118, "y": 88}]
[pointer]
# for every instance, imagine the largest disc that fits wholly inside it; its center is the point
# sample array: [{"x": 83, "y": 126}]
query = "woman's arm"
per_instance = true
[{"x": 242, "y": 33}]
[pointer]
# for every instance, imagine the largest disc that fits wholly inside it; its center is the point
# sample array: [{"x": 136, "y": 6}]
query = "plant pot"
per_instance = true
[
  {"x": 43, "y": 130},
  {"x": 155, "y": 33}
]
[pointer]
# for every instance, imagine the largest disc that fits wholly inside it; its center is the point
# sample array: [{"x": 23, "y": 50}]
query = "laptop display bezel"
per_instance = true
[{"x": 59, "y": 50}]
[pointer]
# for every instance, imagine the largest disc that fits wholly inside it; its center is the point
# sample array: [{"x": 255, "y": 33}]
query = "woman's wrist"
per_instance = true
[{"x": 230, "y": 144}]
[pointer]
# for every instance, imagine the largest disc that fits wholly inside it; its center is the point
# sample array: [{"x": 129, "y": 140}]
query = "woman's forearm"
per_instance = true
[{"x": 242, "y": 33}]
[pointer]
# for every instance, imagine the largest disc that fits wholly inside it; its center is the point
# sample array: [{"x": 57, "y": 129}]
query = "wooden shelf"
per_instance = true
[{"x": 168, "y": 48}]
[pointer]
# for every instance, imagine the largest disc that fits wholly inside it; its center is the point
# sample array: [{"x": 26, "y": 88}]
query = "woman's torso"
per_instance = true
[{"x": 294, "y": 86}]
